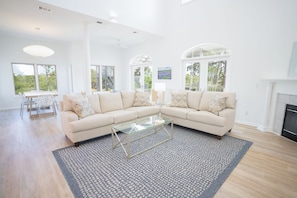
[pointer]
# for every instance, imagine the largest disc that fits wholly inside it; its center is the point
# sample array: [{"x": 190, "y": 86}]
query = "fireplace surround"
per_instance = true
[
  {"x": 283, "y": 102},
  {"x": 289, "y": 129}
]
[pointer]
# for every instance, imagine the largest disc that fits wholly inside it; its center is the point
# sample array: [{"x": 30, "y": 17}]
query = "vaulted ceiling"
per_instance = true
[{"x": 23, "y": 18}]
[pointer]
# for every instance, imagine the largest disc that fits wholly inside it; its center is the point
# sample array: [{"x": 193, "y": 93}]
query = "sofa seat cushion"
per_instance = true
[
  {"x": 90, "y": 122},
  {"x": 206, "y": 118},
  {"x": 122, "y": 116},
  {"x": 176, "y": 111},
  {"x": 145, "y": 110}
]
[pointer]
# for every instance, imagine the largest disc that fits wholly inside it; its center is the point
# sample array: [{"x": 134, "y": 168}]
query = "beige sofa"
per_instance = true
[
  {"x": 104, "y": 110},
  {"x": 84, "y": 118},
  {"x": 211, "y": 112}
]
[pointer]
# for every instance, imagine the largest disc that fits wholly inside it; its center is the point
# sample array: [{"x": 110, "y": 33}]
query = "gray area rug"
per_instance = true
[{"x": 193, "y": 164}]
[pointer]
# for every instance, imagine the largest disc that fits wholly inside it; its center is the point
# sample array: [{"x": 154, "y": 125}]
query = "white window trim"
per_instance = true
[
  {"x": 100, "y": 75},
  {"x": 35, "y": 68},
  {"x": 204, "y": 69},
  {"x": 142, "y": 67}
]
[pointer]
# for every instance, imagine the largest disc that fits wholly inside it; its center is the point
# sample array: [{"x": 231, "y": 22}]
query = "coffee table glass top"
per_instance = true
[{"x": 141, "y": 124}]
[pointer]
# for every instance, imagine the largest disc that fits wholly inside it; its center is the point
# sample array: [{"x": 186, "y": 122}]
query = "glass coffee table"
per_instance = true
[{"x": 153, "y": 123}]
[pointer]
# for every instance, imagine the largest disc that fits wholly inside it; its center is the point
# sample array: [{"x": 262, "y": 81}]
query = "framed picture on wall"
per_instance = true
[{"x": 164, "y": 73}]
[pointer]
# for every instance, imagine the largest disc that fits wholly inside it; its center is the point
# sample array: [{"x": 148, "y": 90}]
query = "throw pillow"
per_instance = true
[
  {"x": 179, "y": 99},
  {"x": 82, "y": 107},
  {"x": 217, "y": 104},
  {"x": 141, "y": 99}
]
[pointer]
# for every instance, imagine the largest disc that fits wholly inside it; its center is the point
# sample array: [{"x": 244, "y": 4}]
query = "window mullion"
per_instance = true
[
  {"x": 203, "y": 74},
  {"x": 36, "y": 77}
]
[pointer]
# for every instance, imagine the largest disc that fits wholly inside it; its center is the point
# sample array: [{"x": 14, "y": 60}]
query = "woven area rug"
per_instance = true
[{"x": 193, "y": 164}]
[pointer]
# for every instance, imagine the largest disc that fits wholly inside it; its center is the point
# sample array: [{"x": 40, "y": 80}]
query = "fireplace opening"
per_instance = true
[{"x": 290, "y": 123}]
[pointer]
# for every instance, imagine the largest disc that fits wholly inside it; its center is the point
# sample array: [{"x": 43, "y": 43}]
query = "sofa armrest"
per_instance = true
[
  {"x": 69, "y": 116},
  {"x": 66, "y": 117},
  {"x": 229, "y": 115}
]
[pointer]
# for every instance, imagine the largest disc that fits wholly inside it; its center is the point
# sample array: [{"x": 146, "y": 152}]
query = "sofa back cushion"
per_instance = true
[
  {"x": 110, "y": 102},
  {"x": 128, "y": 98},
  {"x": 67, "y": 104},
  {"x": 194, "y": 98},
  {"x": 208, "y": 96},
  {"x": 95, "y": 103}
]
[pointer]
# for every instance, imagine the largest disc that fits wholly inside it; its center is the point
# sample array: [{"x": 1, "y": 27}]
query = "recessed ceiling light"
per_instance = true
[
  {"x": 44, "y": 9},
  {"x": 135, "y": 32}
]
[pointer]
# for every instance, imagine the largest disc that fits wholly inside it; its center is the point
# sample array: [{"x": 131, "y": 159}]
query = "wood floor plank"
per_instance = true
[{"x": 29, "y": 169}]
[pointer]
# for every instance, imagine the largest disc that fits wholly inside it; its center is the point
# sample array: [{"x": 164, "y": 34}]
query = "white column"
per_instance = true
[
  {"x": 268, "y": 108},
  {"x": 87, "y": 79}
]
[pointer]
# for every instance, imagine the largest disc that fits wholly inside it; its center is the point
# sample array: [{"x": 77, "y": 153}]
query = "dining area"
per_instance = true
[{"x": 37, "y": 103}]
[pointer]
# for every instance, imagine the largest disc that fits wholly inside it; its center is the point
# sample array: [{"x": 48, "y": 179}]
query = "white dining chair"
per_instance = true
[
  {"x": 45, "y": 102},
  {"x": 25, "y": 102}
]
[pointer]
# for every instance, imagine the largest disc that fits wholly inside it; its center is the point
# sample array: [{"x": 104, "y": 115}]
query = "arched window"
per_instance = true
[
  {"x": 141, "y": 67},
  {"x": 205, "y": 67}
]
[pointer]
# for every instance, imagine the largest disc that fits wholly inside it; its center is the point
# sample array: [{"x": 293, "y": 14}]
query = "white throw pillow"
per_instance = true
[
  {"x": 82, "y": 107},
  {"x": 217, "y": 104},
  {"x": 141, "y": 99},
  {"x": 67, "y": 105},
  {"x": 179, "y": 99}
]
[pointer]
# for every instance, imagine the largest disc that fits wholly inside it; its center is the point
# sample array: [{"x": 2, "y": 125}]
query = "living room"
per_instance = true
[{"x": 259, "y": 36}]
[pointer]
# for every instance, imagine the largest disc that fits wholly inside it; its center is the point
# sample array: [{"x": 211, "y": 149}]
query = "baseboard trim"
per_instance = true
[{"x": 246, "y": 123}]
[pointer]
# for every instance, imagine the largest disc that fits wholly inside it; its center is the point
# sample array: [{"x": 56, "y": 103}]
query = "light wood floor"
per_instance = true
[{"x": 28, "y": 168}]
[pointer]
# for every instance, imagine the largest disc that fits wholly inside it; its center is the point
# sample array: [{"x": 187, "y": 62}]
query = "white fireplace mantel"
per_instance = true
[
  {"x": 274, "y": 87},
  {"x": 275, "y": 80}
]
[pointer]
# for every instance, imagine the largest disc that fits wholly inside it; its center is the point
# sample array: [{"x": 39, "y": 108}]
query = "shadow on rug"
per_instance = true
[{"x": 193, "y": 164}]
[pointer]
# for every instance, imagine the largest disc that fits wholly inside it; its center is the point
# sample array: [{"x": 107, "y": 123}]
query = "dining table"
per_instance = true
[{"x": 34, "y": 94}]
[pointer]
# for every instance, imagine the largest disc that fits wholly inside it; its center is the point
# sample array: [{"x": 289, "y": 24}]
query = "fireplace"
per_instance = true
[{"x": 290, "y": 122}]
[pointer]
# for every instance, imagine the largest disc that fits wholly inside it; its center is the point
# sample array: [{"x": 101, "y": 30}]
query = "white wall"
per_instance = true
[
  {"x": 260, "y": 35},
  {"x": 110, "y": 56},
  {"x": 11, "y": 51}
]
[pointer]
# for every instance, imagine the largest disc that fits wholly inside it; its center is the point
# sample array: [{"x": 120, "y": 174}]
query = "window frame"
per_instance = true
[
  {"x": 142, "y": 77},
  {"x": 204, "y": 60},
  {"x": 36, "y": 75},
  {"x": 39, "y": 73},
  {"x": 142, "y": 62},
  {"x": 100, "y": 81}
]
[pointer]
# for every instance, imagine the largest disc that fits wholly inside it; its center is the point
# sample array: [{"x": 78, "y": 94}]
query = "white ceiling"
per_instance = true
[{"x": 22, "y": 17}]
